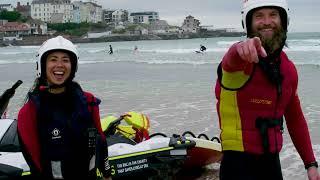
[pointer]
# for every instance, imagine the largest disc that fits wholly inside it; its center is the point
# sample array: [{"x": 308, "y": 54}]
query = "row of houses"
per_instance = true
[
  {"x": 14, "y": 30},
  {"x": 63, "y": 11},
  {"x": 41, "y": 12}
]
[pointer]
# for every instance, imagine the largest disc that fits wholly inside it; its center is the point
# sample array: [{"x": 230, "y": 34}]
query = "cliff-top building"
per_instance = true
[
  {"x": 190, "y": 25},
  {"x": 86, "y": 12}
]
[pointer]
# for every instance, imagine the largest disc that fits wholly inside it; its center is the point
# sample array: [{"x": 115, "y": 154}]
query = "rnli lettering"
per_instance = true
[
  {"x": 132, "y": 166},
  {"x": 261, "y": 101}
]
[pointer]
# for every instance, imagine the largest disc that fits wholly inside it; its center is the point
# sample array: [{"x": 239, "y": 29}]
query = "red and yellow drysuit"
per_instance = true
[{"x": 249, "y": 96}]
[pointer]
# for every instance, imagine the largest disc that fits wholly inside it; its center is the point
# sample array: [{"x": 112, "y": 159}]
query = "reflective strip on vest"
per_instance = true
[
  {"x": 235, "y": 79},
  {"x": 229, "y": 113},
  {"x": 231, "y": 134}
]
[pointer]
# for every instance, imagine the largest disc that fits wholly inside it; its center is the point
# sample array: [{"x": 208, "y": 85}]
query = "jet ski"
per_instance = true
[
  {"x": 187, "y": 151},
  {"x": 132, "y": 151},
  {"x": 12, "y": 163},
  {"x": 155, "y": 157}
]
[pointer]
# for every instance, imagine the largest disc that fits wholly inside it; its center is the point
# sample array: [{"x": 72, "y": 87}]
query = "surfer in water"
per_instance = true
[
  {"x": 135, "y": 49},
  {"x": 110, "y": 49},
  {"x": 202, "y": 48}
]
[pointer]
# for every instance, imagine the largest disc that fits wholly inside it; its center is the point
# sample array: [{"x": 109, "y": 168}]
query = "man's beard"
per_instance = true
[{"x": 273, "y": 45}]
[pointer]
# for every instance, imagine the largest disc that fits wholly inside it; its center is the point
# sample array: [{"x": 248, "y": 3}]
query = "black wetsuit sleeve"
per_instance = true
[{"x": 102, "y": 157}]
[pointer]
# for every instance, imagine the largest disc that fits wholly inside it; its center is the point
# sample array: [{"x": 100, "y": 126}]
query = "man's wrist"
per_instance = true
[{"x": 312, "y": 164}]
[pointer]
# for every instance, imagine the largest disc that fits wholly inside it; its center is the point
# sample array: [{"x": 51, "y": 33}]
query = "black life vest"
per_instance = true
[{"x": 63, "y": 121}]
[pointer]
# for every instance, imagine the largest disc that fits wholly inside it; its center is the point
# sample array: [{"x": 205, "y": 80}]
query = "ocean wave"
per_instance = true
[
  {"x": 16, "y": 62},
  {"x": 302, "y": 48},
  {"x": 315, "y": 41},
  {"x": 292, "y": 166},
  {"x": 91, "y": 62},
  {"x": 10, "y": 53},
  {"x": 159, "y": 62},
  {"x": 182, "y": 51},
  {"x": 175, "y": 62},
  {"x": 29, "y": 47},
  {"x": 96, "y": 50},
  {"x": 226, "y": 42}
]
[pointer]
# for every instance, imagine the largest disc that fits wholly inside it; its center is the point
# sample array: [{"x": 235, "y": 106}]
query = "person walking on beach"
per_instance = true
[
  {"x": 59, "y": 125},
  {"x": 256, "y": 90},
  {"x": 110, "y": 49}
]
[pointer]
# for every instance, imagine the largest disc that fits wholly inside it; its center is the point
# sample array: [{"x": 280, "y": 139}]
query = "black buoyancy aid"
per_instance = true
[{"x": 63, "y": 121}]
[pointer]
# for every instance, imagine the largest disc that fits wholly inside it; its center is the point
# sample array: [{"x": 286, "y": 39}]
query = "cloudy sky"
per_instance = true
[{"x": 304, "y": 14}]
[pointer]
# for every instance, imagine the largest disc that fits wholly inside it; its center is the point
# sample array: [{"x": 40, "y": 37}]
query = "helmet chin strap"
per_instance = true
[{"x": 49, "y": 87}]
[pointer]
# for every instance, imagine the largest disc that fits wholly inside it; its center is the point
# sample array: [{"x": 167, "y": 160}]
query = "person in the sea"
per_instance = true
[
  {"x": 256, "y": 93},
  {"x": 202, "y": 48},
  {"x": 59, "y": 125},
  {"x": 110, "y": 49},
  {"x": 135, "y": 49}
]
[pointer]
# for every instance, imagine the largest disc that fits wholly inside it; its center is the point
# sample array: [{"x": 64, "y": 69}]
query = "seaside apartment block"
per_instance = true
[
  {"x": 63, "y": 11},
  {"x": 144, "y": 17}
]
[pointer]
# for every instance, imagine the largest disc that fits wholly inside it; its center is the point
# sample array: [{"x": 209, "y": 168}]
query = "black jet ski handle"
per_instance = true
[{"x": 7, "y": 95}]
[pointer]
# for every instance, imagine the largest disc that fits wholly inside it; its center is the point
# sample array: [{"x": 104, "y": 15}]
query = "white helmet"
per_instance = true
[
  {"x": 249, "y": 5},
  {"x": 57, "y": 43}
]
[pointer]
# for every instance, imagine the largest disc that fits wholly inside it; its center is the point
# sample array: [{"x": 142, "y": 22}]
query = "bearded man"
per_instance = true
[{"x": 256, "y": 92}]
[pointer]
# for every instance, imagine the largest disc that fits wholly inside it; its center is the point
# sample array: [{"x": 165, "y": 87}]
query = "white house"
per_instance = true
[
  {"x": 45, "y": 10},
  {"x": 38, "y": 27},
  {"x": 144, "y": 17},
  {"x": 15, "y": 29},
  {"x": 88, "y": 11},
  {"x": 120, "y": 16},
  {"x": 76, "y": 12}
]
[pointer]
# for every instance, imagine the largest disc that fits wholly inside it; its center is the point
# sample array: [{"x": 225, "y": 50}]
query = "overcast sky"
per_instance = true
[{"x": 304, "y": 14}]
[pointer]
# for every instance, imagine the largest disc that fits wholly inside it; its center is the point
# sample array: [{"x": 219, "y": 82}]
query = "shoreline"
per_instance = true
[{"x": 38, "y": 40}]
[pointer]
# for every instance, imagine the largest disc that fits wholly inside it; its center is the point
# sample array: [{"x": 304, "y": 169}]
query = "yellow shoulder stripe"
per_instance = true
[{"x": 234, "y": 80}]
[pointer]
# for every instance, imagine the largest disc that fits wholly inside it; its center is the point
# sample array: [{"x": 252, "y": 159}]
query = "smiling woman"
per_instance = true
[
  {"x": 58, "y": 67},
  {"x": 60, "y": 123}
]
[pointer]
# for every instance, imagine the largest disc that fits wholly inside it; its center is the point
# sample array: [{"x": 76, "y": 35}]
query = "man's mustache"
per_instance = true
[{"x": 266, "y": 27}]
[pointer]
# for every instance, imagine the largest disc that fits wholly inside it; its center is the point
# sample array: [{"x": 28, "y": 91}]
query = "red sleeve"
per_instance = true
[
  {"x": 96, "y": 117},
  {"x": 232, "y": 62},
  {"x": 102, "y": 146},
  {"x": 95, "y": 102},
  {"x": 28, "y": 134},
  {"x": 298, "y": 128}
]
